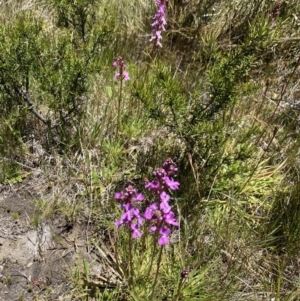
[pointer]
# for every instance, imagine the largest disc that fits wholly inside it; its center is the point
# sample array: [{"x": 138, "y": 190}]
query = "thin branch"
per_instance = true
[{"x": 32, "y": 107}]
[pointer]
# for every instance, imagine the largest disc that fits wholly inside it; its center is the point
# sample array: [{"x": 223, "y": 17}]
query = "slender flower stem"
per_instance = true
[
  {"x": 153, "y": 255},
  {"x": 157, "y": 271},
  {"x": 119, "y": 106},
  {"x": 131, "y": 268}
]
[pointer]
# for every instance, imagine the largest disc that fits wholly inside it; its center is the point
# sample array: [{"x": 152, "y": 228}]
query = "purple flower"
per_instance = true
[
  {"x": 135, "y": 231},
  {"x": 118, "y": 224},
  {"x": 173, "y": 185},
  {"x": 161, "y": 218},
  {"x": 138, "y": 198},
  {"x": 153, "y": 228},
  {"x": 126, "y": 76},
  {"x": 165, "y": 207},
  {"x": 121, "y": 74},
  {"x": 159, "y": 173},
  {"x": 159, "y": 23},
  {"x": 164, "y": 238},
  {"x": 159, "y": 213},
  {"x": 131, "y": 216},
  {"x": 152, "y": 185},
  {"x": 164, "y": 197},
  {"x": 118, "y": 196},
  {"x": 149, "y": 211},
  {"x": 170, "y": 219},
  {"x": 170, "y": 167},
  {"x": 130, "y": 190}
]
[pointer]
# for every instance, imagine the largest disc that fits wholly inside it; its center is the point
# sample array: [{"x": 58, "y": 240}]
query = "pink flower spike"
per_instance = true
[
  {"x": 120, "y": 74},
  {"x": 159, "y": 23},
  {"x": 131, "y": 216}
]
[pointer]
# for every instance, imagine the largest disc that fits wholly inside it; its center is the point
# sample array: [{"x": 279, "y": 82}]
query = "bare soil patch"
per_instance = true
[{"x": 36, "y": 262}]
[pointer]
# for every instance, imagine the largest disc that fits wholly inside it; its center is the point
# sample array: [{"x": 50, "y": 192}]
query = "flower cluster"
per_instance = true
[
  {"x": 275, "y": 13},
  {"x": 131, "y": 215},
  {"x": 159, "y": 213},
  {"x": 159, "y": 23},
  {"x": 121, "y": 74}
]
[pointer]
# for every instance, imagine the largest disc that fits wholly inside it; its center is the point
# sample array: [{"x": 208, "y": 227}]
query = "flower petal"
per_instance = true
[
  {"x": 165, "y": 207},
  {"x": 164, "y": 197},
  {"x": 163, "y": 240}
]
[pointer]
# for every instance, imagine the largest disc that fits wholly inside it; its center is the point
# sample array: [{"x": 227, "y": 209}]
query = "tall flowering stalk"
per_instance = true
[
  {"x": 122, "y": 76},
  {"x": 158, "y": 216},
  {"x": 130, "y": 218},
  {"x": 159, "y": 23},
  {"x": 159, "y": 213}
]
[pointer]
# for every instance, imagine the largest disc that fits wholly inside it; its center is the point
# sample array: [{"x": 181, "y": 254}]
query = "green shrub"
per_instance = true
[{"x": 45, "y": 71}]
